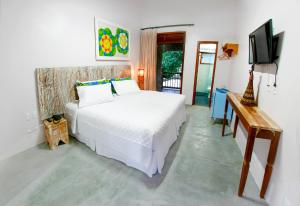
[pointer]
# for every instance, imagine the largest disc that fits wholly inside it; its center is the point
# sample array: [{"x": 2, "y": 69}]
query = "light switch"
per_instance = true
[{"x": 27, "y": 116}]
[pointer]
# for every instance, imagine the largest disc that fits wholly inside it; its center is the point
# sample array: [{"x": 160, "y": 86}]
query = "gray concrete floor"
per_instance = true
[{"x": 202, "y": 168}]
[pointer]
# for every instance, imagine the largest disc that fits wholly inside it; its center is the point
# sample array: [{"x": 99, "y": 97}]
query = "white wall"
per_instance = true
[
  {"x": 280, "y": 102},
  {"x": 42, "y": 33},
  {"x": 214, "y": 20}
]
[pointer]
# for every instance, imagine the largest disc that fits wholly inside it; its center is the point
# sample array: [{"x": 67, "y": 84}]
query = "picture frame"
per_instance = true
[{"x": 112, "y": 41}]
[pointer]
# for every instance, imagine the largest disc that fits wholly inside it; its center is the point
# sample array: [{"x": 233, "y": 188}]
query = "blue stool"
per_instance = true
[{"x": 218, "y": 104}]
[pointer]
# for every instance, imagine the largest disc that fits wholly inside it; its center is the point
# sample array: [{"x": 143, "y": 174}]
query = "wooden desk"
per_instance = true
[{"x": 258, "y": 125}]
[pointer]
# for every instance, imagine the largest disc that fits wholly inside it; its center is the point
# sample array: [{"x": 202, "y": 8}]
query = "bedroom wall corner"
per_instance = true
[{"x": 40, "y": 33}]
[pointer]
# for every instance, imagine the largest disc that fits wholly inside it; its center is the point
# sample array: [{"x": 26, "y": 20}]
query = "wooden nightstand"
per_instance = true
[{"x": 56, "y": 132}]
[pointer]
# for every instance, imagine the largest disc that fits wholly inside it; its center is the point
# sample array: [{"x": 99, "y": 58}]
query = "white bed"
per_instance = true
[{"x": 137, "y": 129}]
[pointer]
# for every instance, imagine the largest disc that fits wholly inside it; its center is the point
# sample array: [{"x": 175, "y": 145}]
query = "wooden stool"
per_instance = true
[{"x": 56, "y": 132}]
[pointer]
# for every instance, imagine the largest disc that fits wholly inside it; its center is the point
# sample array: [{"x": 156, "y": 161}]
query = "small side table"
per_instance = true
[
  {"x": 218, "y": 104},
  {"x": 56, "y": 132}
]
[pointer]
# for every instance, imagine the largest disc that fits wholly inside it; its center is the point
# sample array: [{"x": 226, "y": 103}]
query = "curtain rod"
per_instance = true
[{"x": 172, "y": 25}]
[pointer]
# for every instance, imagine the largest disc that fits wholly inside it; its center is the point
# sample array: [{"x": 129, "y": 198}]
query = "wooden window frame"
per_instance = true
[{"x": 173, "y": 38}]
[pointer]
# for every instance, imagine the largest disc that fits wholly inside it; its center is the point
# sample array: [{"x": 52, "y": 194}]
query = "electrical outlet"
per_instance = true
[
  {"x": 274, "y": 91},
  {"x": 269, "y": 89},
  {"x": 27, "y": 116},
  {"x": 35, "y": 129},
  {"x": 35, "y": 114},
  {"x": 286, "y": 202}
]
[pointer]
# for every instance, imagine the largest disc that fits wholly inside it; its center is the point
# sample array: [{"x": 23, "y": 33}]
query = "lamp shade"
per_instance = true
[{"x": 141, "y": 72}]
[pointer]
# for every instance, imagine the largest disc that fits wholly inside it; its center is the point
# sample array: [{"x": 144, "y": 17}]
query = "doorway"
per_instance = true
[
  {"x": 205, "y": 72},
  {"x": 170, "y": 61}
]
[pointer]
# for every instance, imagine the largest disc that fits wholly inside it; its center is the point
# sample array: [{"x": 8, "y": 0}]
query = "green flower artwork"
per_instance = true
[
  {"x": 112, "y": 42},
  {"x": 122, "y": 39},
  {"x": 107, "y": 42}
]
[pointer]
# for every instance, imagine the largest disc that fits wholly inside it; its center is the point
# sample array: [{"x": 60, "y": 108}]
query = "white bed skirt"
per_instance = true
[
  {"x": 147, "y": 160},
  {"x": 137, "y": 129}
]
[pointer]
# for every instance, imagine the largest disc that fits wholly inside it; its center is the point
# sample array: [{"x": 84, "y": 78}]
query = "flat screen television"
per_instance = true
[{"x": 261, "y": 44}]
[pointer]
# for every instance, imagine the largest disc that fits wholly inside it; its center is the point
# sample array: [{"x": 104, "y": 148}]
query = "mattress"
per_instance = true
[{"x": 137, "y": 129}]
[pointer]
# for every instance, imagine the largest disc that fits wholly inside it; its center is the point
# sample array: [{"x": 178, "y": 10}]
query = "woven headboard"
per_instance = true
[{"x": 56, "y": 86}]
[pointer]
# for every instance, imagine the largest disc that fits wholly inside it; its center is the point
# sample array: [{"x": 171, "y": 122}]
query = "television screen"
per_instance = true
[{"x": 260, "y": 44}]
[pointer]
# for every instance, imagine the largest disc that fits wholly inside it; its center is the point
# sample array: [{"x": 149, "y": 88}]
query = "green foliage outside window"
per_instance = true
[{"x": 171, "y": 63}]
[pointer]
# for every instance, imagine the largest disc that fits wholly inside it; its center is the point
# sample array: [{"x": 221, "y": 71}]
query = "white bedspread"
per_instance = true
[{"x": 137, "y": 129}]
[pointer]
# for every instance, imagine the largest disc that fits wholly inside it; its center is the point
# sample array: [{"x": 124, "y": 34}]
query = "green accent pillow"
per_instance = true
[{"x": 91, "y": 83}]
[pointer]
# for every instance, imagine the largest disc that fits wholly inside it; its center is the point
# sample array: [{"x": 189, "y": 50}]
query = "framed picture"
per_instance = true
[{"x": 112, "y": 41}]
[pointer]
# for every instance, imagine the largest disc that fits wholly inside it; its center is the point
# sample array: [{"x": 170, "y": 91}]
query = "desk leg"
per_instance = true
[
  {"x": 236, "y": 122},
  {"x": 247, "y": 159},
  {"x": 225, "y": 118},
  {"x": 270, "y": 162}
]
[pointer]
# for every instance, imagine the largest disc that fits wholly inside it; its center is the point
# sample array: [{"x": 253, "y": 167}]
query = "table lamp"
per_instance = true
[{"x": 141, "y": 78}]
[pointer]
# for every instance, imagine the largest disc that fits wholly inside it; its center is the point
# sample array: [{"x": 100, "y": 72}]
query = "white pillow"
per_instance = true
[
  {"x": 125, "y": 87},
  {"x": 96, "y": 94}
]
